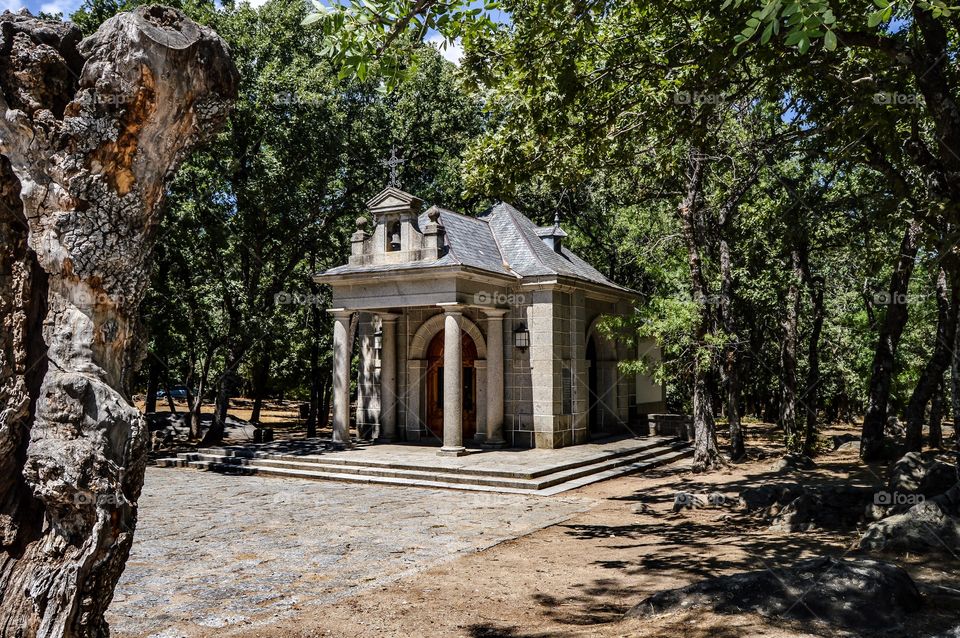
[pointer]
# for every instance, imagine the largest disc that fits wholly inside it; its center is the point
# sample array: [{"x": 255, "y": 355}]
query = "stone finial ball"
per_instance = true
[
  {"x": 361, "y": 222},
  {"x": 434, "y": 215}
]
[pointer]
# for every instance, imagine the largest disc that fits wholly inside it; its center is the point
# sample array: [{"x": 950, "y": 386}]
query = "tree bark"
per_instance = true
[
  {"x": 314, "y": 310},
  {"x": 730, "y": 369},
  {"x": 948, "y": 303},
  {"x": 259, "y": 380},
  {"x": 937, "y": 405},
  {"x": 196, "y": 402},
  {"x": 221, "y": 408},
  {"x": 327, "y": 398},
  {"x": 153, "y": 385},
  {"x": 955, "y": 389},
  {"x": 706, "y": 455},
  {"x": 788, "y": 355},
  {"x": 812, "y": 397},
  {"x": 874, "y": 421},
  {"x": 168, "y": 394},
  {"x": 91, "y": 130}
]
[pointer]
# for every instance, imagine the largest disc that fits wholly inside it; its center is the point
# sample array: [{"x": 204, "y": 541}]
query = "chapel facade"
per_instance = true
[{"x": 478, "y": 330}]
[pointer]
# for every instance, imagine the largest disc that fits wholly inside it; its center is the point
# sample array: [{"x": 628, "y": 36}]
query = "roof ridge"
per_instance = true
[
  {"x": 503, "y": 254},
  {"x": 450, "y": 251},
  {"x": 523, "y": 234}
]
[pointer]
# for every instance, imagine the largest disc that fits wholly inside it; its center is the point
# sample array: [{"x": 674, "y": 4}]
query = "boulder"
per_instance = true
[
  {"x": 845, "y": 442},
  {"x": 853, "y": 594},
  {"x": 831, "y": 508},
  {"x": 895, "y": 429},
  {"x": 915, "y": 474},
  {"x": 799, "y": 515},
  {"x": 688, "y": 500},
  {"x": 927, "y": 527},
  {"x": 792, "y": 507},
  {"x": 755, "y": 498},
  {"x": 793, "y": 461}
]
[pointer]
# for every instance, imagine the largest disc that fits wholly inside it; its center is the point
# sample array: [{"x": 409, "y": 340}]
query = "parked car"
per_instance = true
[{"x": 177, "y": 392}]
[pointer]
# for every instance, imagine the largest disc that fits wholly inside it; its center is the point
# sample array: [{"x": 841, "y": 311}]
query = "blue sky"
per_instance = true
[{"x": 66, "y": 7}]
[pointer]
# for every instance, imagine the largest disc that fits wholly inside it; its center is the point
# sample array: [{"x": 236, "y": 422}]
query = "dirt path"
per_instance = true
[{"x": 578, "y": 578}]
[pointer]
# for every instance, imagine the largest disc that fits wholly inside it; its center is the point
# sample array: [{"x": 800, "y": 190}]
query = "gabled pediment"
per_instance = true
[{"x": 394, "y": 200}]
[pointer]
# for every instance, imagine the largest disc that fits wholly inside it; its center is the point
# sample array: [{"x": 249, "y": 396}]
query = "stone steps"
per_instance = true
[
  {"x": 543, "y": 482},
  {"x": 235, "y": 454}
]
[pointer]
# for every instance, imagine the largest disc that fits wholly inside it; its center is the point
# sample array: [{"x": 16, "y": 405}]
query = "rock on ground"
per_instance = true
[
  {"x": 915, "y": 473},
  {"x": 845, "y": 442},
  {"x": 931, "y": 526},
  {"x": 853, "y": 594},
  {"x": 793, "y": 461},
  {"x": 790, "y": 507}
]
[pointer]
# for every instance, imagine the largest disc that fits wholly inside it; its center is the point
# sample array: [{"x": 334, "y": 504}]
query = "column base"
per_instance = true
[
  {"x": 453, "y": 451},
  {"x": 389, "y": 438},
  {"x": 494, "y": 444},
  {"x": 340, "y": 445}
]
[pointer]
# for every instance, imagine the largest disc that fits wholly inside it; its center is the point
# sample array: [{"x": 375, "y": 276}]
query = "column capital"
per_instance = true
[
  {"x": 340, "y": 313},
  {"x": 389, "y": 317},
  {"x": 495, "y": 313},
  {"x": 452, "y": 308}
]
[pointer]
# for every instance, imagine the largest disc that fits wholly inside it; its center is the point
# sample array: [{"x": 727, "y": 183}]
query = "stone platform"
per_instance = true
[{"x": 513, "y": 471}]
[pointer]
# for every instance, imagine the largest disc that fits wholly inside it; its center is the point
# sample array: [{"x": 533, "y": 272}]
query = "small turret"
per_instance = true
[{"x": 553, "y": 236}]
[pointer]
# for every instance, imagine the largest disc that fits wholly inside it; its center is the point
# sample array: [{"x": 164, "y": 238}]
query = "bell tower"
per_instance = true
[{"x": 396, "y": 236}]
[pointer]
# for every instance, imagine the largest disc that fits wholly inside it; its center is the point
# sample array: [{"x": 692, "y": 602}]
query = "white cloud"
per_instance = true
[
  {"x": 57, "y": 6},
  {"x": 453, "y": 52},
  {"x": 11, "y": 5}
]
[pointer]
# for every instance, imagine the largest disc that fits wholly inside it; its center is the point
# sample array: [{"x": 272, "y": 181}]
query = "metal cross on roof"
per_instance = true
[{"x": 394, "y": 165}]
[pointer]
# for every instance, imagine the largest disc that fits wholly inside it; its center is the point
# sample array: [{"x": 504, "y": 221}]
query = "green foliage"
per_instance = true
[
  {"x": 376, "y": 37},
  {"x": 805, "y": 22},
  {"x": 586, "y": 110},
  {"x": 273, "y": 199}
]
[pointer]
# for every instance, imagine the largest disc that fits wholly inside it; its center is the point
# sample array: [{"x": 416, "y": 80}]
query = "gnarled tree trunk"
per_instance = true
[{"x": 90, "y": 132}]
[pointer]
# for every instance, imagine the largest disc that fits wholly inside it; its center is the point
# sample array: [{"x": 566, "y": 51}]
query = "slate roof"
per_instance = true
[{"x": 502, "y": 241}]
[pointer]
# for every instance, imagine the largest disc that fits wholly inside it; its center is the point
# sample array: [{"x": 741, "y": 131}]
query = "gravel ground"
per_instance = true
[{"x": 217, "y": 552}]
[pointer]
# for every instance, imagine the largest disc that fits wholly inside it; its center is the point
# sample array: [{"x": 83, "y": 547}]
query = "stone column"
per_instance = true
[
  {"x": 341, "y": 377},
  {"x": 388, "y": 377},
  {"x": 452, "y": 384},
  {"x": 415, "y": 372},
  {"x": 494, "y": 381}
]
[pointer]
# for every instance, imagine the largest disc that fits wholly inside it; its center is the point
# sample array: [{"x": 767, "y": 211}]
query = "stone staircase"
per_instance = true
[{"x": 427, "y": 470}]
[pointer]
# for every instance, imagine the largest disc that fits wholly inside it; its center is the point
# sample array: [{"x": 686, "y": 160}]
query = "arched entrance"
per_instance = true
[
  {"x": 434, "y": 379},
  {"x": 603, "y": 382}
]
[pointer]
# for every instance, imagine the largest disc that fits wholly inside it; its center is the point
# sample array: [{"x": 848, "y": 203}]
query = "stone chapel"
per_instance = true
[{"x": 478, "y": 331}]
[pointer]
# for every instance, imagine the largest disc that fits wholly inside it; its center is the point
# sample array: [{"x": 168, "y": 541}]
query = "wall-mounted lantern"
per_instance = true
[{"x": 521, "y": 337}]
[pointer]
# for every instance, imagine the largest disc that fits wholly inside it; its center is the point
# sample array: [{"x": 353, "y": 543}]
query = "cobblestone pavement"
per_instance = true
[{"x": 215, "y": 551}]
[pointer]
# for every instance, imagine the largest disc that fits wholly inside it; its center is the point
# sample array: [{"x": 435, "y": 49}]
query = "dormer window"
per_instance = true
[{"x": 393, "y": 237}]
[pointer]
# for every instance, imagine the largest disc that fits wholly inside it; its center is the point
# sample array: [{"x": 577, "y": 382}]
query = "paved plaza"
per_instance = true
[{"x": 217, "y": 552}]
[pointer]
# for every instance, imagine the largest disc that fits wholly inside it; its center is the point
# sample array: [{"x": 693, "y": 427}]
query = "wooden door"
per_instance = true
[{"x": 434, "y": 381}]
